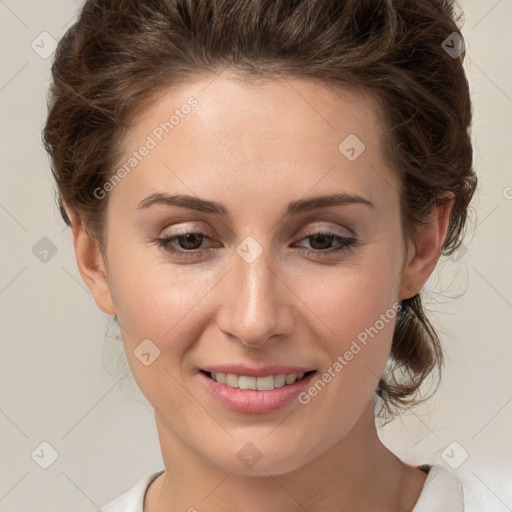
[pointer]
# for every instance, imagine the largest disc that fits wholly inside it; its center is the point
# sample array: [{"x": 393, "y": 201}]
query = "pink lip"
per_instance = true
[
  {"x": 253, "y": 371},
  {"x": 249, "y": 401}
]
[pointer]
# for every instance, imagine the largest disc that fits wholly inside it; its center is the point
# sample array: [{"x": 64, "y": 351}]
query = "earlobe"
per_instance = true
[
  {"x": 425, "y": 254},
  {"x": 91, "y": 265}
]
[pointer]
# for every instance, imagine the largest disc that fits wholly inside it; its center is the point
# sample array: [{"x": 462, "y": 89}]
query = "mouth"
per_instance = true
[{"x": 246, "y": 382}]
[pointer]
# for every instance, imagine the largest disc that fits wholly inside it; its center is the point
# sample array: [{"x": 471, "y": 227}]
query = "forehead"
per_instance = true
[
  {"x": 216, "y": 131},
  {"x": 292, "y": 108}
]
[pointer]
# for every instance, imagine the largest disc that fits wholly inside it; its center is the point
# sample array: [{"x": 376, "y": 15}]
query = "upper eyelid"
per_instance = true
[
  {"x": 303, "y": 231},
  {"x": 304, "y": 219},
  {"x": 312, "y": 223}
]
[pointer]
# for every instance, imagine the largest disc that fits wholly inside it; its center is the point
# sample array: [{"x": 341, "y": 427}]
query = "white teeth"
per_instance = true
[
  {"x": 231, "y": 380},
  {"x": 267, "y": 383},
  {"x": 246, "y": 382},
  {"x": 264, "y": 383},
  {"x": 290, "y": 379},
  {"x": 279, "y": 381}
]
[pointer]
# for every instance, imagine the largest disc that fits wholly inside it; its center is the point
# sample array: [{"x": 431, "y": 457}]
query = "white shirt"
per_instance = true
[{"x": 442, "y": 491}]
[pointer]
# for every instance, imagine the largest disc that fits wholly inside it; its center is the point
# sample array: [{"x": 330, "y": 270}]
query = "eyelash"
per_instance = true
[{"x": 346, "y": 243}]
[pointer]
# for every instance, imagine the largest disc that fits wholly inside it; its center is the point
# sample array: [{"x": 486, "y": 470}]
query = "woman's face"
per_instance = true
[{"x": 256, "y": 290}]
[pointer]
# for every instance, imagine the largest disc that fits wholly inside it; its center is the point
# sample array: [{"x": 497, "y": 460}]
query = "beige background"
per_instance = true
[{"x": 54, "y": 379}]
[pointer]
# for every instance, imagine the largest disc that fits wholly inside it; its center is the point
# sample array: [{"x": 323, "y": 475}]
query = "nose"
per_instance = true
[{"x": 256, "y": 304}]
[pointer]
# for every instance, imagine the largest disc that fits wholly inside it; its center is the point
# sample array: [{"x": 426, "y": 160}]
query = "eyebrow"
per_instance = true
[{"x": 213, "y": 207}]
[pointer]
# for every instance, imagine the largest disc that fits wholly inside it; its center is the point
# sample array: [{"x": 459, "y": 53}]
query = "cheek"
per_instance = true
[
  {"x": 362, "y": 324},
  {"x": 351, "y": 298},
  {"x": 159, "y": 303},
  {"x": 357, "y": 306},
  {"x": 154, "y": 297}
]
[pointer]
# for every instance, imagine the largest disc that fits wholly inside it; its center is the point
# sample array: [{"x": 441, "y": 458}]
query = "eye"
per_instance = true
[
  {"x": 323, "y": 241},
  {"x": 189, "y": 244}
]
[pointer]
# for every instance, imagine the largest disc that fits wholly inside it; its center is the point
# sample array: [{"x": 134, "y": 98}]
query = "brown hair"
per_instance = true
[{"x": 120, "y": 54}]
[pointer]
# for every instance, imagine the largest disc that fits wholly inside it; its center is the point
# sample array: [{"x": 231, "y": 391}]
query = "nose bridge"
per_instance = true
[{"x": 252, "y": 302}]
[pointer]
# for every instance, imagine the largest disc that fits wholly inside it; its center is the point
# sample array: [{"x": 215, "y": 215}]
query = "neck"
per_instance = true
[{"x": 357, "y": 474}]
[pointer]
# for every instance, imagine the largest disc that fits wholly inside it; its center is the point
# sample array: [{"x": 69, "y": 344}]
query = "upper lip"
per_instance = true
[{"x": 256, "y": 371}]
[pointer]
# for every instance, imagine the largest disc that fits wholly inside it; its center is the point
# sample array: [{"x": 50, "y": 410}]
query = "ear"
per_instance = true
[
  {"x": 91, "y": 265},
  {"x": 424, "y": 254}
]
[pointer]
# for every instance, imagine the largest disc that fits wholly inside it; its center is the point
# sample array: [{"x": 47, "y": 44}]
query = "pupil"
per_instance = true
[
  {"x": 322, "y": 238},
  {"x": 188, "y": 237}
]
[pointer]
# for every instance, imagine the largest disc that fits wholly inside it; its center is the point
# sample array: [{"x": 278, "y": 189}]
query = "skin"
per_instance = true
[{"x": 255, "y": 148}]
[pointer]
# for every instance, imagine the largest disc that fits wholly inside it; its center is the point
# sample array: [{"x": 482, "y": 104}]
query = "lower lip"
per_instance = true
[{"x": 249, "y": 401}]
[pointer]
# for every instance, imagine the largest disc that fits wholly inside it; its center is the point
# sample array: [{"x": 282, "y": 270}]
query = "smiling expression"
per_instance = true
[{"x": 248, "y": 241}]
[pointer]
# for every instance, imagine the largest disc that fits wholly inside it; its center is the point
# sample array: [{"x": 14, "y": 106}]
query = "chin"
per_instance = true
[{"x": 251, "y": 461}]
